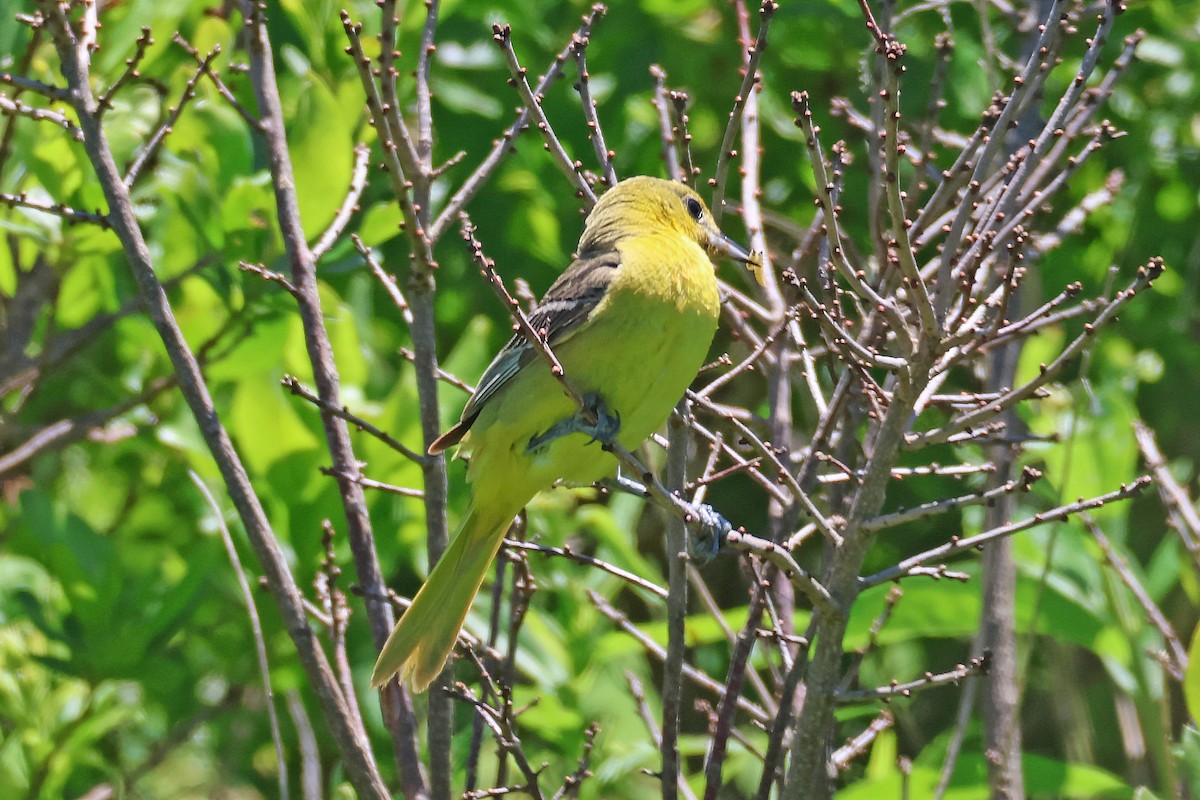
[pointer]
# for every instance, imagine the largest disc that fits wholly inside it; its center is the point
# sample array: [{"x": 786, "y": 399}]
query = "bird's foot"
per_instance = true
[
  {"x": 709, "y": 529},
  {"x": 603, "y": 430}
]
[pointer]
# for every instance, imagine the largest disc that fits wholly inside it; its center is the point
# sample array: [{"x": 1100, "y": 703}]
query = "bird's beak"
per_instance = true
[{"x": 720, "y": 243}]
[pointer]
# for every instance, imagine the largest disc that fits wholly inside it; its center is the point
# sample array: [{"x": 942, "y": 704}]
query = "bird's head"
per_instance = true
[{"x": 642, "y": 204}]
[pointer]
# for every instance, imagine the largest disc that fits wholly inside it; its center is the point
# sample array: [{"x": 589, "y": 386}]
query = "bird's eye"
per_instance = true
[{"x": 694, "y": 208}]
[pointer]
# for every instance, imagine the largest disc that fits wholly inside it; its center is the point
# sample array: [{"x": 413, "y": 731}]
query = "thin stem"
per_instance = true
[
  {"x": 260, "y": 645},
  {"x": 958, "y": 546}
]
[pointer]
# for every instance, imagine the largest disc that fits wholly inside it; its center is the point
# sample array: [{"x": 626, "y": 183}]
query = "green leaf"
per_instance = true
[
  {"x": 1191, "y": 679},
  {"x": 321, "y": 142}
]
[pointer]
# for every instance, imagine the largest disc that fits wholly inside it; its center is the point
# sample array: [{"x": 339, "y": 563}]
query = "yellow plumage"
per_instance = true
[{"x": 631, "y": 321}]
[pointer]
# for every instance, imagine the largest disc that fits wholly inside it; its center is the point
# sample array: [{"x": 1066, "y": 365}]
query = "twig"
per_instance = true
[
  {"x": 589, "y": 561},
  {"x": 1180, "y": 510},
  {"x": 766, "y": 11},
  {"x": 71, "y": 215},
  {"x": 889, "y": 607},
  {"x": 595, "y": 132},
  {"x": 368, "y": 483},
  {"x": 442, "y": 375},
  {"x": 962, "y": 718},
  {"x": 857, "y": 746},
  {"x": 506, "y": 737},
  {"x": 1177, "y": 662},
  {"x": 772, "y": 772},
  {"x": 975, "y": 666},
  {"x": 222, "y": 89},
  {"x": 905, "y": 257},
  {"x": 311, "y": 779},
  {"x": 639, "y": 698},
  {"x": 670, "y": 143},
  {"x": 677, "y": 599},
  {"x": 358, "y": 183},
  {"x": 13, "y": 107},
  {"x": 400, "y": 158},
  {"x": 694, "y": 675},
  {"x": 270, "y": 276},
  {"x": 572, "y": 782},
  {"x": 458, "y": 201},
  {"x": 56, "y": 93},
  {"x": 1028, "y": 477},
  {"x": 144, "y": 40},
  {"x": 150, "y": 149},
  {"x": 817, "y": 594},
  {"x": 389, "y": 283},
  {"x": 260, "y": 645},
  {"x": 293, "y": 385},
  {"x": 57, "y": 435},
  {"x": 679, "y": 121},
  {"x": 957, "y": 546},
  {"x": 571, "y": 169},
  {"x": 722, "y": 727},
  {"x": 337, "y": 613}
]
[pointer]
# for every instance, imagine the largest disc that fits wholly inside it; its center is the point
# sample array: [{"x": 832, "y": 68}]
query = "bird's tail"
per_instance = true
[{"x": 424, "y": 638}]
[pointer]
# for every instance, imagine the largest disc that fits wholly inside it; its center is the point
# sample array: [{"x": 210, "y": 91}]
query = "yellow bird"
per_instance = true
[{"x": 631, "y": 321}]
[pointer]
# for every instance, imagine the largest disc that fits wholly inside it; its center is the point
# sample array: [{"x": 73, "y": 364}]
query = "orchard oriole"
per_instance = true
[{"x": 631, "y": 320}]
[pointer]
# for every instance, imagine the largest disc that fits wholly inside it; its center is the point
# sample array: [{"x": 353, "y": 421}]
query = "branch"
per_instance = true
[
  {"x": 354, "y": 749},
  {"x": 502, "y": 147},
  {"x": 358, "y": 183},
  {"x": 694, "y": 675},
  {"x": 398, "y": 714},
  {"x": 571, "y": 169},
  {"x": 260, "y": 645},
  {"x": 749, "y": 79},
  {"x": 976, "y": 666},
  {"x": 817, "y": 594},
  {"x": 957, "y": 546},
  {"x": 14, "y": 107},
  {"x": 595, "y": 132}
]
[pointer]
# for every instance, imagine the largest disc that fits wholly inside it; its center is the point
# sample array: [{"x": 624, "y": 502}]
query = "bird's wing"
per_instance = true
[{"x": 565, "y": 309}]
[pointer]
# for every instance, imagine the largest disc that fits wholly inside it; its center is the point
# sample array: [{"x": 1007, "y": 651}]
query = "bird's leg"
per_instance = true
[
  {"x": 707, "y": 526},
  {"x": 709, "y": 529},
  {"x": 603, "y": 430}
]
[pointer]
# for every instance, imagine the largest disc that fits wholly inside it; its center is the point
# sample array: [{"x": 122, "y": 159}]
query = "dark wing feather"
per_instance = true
[{"x": 564, "y": 309}]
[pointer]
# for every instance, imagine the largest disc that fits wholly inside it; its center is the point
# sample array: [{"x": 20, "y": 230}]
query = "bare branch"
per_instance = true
[
  {"x": 571, "y": 169},
  {"x": 458, "y": 201},
  {"x": 976, "y": 666},
  {"x": 595, "y": 132},
  {"x": 957, "y": 546},
  {"x": 260, "y": 645}
]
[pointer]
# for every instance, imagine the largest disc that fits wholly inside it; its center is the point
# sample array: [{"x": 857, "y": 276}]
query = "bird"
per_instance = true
[{"x": 631, "y": 321}]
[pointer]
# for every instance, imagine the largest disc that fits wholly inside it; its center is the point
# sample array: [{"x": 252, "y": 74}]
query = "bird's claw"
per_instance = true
[
  {"x": 603, "y": 430},
  {"x": 710, "y": 529}
]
